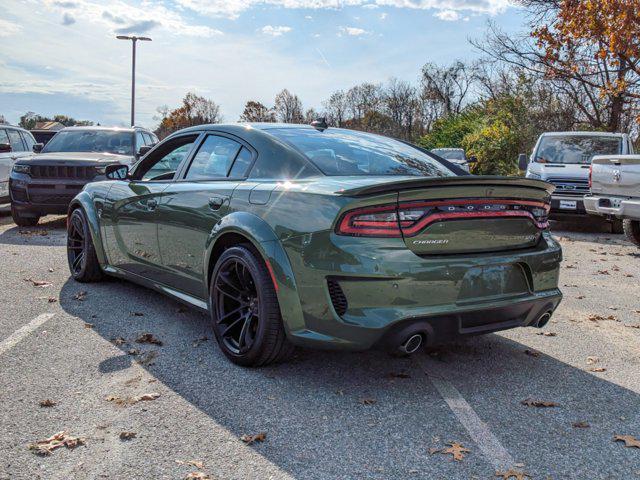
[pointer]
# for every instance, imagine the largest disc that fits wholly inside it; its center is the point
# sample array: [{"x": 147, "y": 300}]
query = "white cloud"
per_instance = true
[
  {"x": 276, "y": 31},
  {"x": 233, "y": 8},
  {"x": 122, "y": 17},
  {"x": 447, "y": 15},
  {"x": 353, "y": 31},
  {"x": 383, "y": 16},
  {"x": 8, "y": 28}
]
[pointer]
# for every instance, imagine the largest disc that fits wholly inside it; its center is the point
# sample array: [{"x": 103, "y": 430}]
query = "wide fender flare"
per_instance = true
[
  {"x": 84, "y": 201},
  {"x": 266, "y": 242}
]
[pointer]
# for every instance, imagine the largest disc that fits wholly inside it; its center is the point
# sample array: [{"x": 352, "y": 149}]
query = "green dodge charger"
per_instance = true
[{"x": 320, "y": 237}]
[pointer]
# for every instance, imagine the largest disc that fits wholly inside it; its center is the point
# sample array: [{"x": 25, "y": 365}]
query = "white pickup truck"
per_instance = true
[
  {"x": 614, "y": 181},
  {"x": 563, "y": 159}
]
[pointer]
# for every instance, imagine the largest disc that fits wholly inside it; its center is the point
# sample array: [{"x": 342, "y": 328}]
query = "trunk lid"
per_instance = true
[
  {"x": 617, "y": 175},
  {"x": 439, "y": 216}
]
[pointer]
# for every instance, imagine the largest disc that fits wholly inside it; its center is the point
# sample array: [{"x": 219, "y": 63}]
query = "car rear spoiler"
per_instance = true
[{"x": 423, "y": 182}]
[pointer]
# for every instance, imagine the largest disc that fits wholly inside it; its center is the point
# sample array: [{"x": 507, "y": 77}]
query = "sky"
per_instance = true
[{"x": 62, "y": 57}]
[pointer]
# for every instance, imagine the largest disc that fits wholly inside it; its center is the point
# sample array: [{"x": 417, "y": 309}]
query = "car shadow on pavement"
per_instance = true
[
  {"x": 49, "y": 231},
  {"x": 367, "y": 415}
]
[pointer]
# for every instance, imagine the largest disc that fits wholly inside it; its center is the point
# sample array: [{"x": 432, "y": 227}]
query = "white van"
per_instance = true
[{"x": 563, "y": 159}]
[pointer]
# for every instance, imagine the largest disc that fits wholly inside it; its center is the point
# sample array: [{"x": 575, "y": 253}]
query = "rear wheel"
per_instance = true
[
  {"x": 22, "y": 220},
  {"x": 632, "y": 231},
  {"x": 81, "y": 254},
  {"x": 245, "y": 311}
]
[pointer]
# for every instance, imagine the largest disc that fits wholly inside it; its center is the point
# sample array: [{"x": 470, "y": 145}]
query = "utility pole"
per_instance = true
[{"x": 134, "y": 40}]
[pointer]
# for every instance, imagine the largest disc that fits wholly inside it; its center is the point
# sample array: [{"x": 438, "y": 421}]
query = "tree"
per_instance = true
[
  {"x": 589, "y": 48},
  {"x": 3, "y": 121},
  {"x": 195, "y": 110},
  {"x": 30, "y": 119},
  {"x": 496, "y": 147},
  {"x": 256, "y": 112},
  {"x": 400, "y": 104},
  {"x": 447, "y": 87},
  {"x": 288, "y": 107},
  {"x": 336, "y": 108}
]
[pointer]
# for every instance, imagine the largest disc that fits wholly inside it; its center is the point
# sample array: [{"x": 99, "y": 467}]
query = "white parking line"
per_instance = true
[
  {"x": 13, "y": 339},
  {"x": 480, "y": 433}
]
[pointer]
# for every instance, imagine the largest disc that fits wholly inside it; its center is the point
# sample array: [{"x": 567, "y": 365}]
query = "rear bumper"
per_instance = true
[
  {"x": 385, "y": 289},
  {"x": 613, "y": 206},
  {"x": 560, "y": 204}
]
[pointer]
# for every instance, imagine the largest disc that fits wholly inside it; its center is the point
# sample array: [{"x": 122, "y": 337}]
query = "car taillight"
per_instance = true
[{"x": 409, "y": 219}]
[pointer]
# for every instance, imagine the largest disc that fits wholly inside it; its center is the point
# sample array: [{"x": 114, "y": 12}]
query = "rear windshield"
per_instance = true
[
  {"x": 346, "y": 152},
  {"x": 576, "y": 149},
  {"x": 107, "y": 141}
]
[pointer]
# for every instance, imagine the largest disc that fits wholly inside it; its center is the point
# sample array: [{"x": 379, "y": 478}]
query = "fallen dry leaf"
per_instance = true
[
  {"x": 580, "y": 425},
  {"x": 603, "y": 272},
  {"x": 88, "y": 325},
  {"x": 34, "y": 233},
  {"x": 532, "y": 353},
  {"x": 592, "y": 360},
  {"x": 197, "y": 476},
  {"x": 368, "y": 401},
  {"x": 52, "y": 300},
  {"x": 596, "y": 318},
  {"x": 509, "y": 474},
  {"x": 629, "y": 440},
  {"x": 47, "y": 403},
  {"x": 632, "y": 326},
  {"x": 60, "y": 439},
  {"x": 148, "y": 338},
  {"x": 38, "y": 283},
  {"x": 529, "y": 402},
  {"x": 249, "y": 439},
  {"x": 123, "y": 402},
  {"x": 598, "y": 369},
  {"x": 580, "y": 297},
  {"x": 127, "y": 435},
  {"x": 547, "y": 334},
  {"x": 80, "y": 296},
  {"x": 118, "y": 341},
  {"x": 133, "y": 351},
  {"x": 456, "y": 450},
  {"x": 147, "y": 359}
]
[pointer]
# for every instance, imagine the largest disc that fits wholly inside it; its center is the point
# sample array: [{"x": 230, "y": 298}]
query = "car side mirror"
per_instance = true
[
  {"x": 116, "y": 172},
  {"x": 523, "y": 161},
  {"x": 37, "y": 148},
  {"x": 144, "y": 150},
  {"x": 5, "y": 147},
  {"x": 472, "y": 159}
]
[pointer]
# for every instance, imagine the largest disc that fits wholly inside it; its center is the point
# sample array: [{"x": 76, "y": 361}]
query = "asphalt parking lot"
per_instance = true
[{"x": 326, "y": 415}]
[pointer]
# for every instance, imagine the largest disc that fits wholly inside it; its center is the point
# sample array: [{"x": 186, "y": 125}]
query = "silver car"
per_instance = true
[{"x": 15, "y": 143}]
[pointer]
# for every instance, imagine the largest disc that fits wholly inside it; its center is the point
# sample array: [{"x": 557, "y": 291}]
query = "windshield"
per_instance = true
[
  {"x": 575, "y": 148},
  {"x": 450, "y": 153},
  {"x": 346, "y": 152},
  {"x": 104, "y": 141}
]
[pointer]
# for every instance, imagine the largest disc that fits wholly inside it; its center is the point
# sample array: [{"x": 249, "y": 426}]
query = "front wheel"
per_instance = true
[
  {"x": 632, "y": 231},
  {"x": 245, "y": 311},
  {"x": 81, "y": 254}
]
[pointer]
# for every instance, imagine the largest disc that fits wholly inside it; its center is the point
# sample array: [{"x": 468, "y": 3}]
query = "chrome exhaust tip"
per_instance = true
[
  {"x": 411, "y": 344},
  {"x": 543, "y": 320}
]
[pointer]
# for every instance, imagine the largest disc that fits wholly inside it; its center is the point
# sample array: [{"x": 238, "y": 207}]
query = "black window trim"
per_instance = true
[{"x": 181, "y": 177}]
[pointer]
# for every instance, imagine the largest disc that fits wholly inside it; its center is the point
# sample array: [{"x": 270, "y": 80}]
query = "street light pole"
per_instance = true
[{"x": 134, "y": 40}]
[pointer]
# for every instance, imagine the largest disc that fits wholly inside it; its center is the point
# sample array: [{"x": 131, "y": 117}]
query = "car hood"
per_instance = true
[
  {"x": 73, "y": 158},
  {"x": 552, "y": 170}
]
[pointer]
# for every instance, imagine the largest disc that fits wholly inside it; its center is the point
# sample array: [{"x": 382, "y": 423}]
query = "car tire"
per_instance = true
[
  {"x": 81, "y": 253},
  {"x": 244, "y": 310},
  {"x": 632, "y": 231},
  {"x": 616, "y": 226},
  {"x": 23, "y": 221}
]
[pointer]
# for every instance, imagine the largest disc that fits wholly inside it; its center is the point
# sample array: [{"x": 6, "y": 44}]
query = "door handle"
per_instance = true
[
  {"x": 216, "y": 202},
  {"x": 152, "y": 204}
]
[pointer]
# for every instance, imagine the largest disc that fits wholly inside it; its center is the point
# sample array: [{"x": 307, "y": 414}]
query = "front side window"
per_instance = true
[
  {"x": 214, "y": 158},
  {"x": 576, "y": 149},
  {"x": 139, "y": 140},
  {"x": 28, "y": 140},
  {"x": 16, "y": 141},
  {"x": 346, "y": 152},
  {"x": 167, "y": 162},
  {"x": 103, "y": 141},
  {"x": 4, "y": 138},
  {"x": 450, "y": 153}
]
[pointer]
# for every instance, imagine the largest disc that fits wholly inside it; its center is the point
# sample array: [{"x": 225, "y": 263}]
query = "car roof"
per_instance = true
[
  {"x": 101, "y": 127},
  {"x": 583, "y": 134},
  {"x": 15, "y": 127}
]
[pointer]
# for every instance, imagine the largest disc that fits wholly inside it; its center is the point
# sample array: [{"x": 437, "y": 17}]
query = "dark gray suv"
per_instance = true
[{"x": 46, "y": 182}]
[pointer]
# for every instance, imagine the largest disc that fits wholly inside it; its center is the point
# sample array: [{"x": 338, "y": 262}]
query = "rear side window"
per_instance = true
[
  {"x": 16, "y": 141},
  {"x": 242, "y": 164},
  {"x": 214, "y": 158}
]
